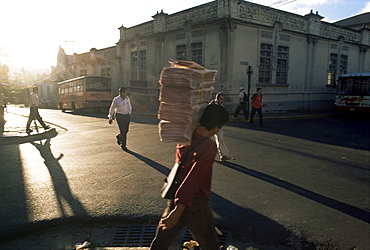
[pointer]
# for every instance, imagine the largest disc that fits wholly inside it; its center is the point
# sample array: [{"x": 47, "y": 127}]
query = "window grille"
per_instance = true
[
  {"x": 142, "y": 65},
  {"x": 197, "y": 52},
  {"x": 333, "y": 62},
  {"x": 181, "y": 52},
  {"x": 134, "y": 66},
  {"x": 282, "y": 65},
  {"x": 343, "y": 64},
  {"x": 265, "y": 63}
]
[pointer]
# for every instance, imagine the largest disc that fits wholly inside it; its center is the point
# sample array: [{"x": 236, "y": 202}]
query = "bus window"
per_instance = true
[
  {"x": 362, "y": 87},
  {"x": 345, "y": 87},
  {"x": 97, "y": 84},
  {"x": 79, "y": 86}
]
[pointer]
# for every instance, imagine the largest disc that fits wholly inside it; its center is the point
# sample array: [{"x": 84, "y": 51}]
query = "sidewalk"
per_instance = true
[
  {"x": 277, "y": 116},
  {"x": 15, "y": 130}
]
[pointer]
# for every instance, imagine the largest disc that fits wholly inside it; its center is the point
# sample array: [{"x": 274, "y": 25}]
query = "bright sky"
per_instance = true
[{"x": 32, "y": 31}]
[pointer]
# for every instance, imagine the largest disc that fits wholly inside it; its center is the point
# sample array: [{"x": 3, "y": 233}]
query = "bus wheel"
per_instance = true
[{"x": 61, "y": 107}]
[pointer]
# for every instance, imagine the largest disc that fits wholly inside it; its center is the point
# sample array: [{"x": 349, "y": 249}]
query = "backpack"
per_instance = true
[{"x": 245, "y": 97}]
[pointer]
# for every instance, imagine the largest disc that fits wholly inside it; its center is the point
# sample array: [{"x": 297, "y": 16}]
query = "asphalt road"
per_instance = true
[{"x": 296, "y": 183}]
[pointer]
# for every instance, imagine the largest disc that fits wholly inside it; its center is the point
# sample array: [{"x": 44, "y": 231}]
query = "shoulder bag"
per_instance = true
[{"x": 171, "y": 185}]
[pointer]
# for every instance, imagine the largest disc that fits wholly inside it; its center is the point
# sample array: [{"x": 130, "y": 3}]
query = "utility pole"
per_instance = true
[
  {"x": 249, "y": 73},
  {"x": 4, "y": 70},
  {"x": 2, "y": 120}
]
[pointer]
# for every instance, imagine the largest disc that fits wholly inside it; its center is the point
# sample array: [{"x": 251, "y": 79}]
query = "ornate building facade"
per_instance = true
[{"x": 295, "y": 59}]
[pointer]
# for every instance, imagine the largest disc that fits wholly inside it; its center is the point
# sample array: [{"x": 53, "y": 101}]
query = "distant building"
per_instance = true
[
  {"x": 47, "y": 91},
  {"x": 358, "y": 22},
  {"x": 295, "y": 59},
  {"x": 4, "y": 72}
]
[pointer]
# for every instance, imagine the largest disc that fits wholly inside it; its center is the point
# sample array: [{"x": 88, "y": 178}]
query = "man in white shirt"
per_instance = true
[
  {"x": 34, "y": 110},
  {"x": 242, "y": 104},
  {"x": 121, "y": 110}
]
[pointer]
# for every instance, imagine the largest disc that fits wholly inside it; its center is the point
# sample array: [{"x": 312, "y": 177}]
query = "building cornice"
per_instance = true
[{"x": 245, "y": 12}]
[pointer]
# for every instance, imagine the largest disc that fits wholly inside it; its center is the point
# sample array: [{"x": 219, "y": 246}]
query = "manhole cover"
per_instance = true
[
  {"x": 133, "y": 235},
  {"x": 142, "y": 236}
]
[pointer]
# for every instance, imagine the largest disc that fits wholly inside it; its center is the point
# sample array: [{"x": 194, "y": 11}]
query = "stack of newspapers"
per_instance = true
[{"x": 186, "y": 89}]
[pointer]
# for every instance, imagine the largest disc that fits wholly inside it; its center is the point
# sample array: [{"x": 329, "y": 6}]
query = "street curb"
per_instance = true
[
  {"x": 5, "y": 140},
  {"x": 119, "y": 248},
  {"x": 283, "y": 117},
  {"x": 297, "y": 116}
]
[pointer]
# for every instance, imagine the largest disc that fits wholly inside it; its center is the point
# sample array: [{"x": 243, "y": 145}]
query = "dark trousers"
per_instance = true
[
  {"x": 241, "y": 106},
  {"x": 34, "y": 113},
  {"x": 123, "y": 125},
  {"x": 259, "y": 111},
  {"x": 198, "y": 219}
]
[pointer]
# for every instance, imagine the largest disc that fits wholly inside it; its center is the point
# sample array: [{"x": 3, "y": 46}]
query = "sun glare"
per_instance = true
[{"x": 36, "y": 56}]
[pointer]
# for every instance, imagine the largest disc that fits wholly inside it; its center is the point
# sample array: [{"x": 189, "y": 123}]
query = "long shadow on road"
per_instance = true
[
  {"x": 14, "y": 212},
  {"x": 355, "y": 212},
  {"x": 59, "y": 180},
  {"x": 13, "y": 205},
  {"x": 260, "y": 228}
]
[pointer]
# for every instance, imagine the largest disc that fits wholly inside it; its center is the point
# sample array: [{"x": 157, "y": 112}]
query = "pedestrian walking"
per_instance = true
[
  {"x": 120, "y": 110},
  {"x": 190, "y": 204},
  {"x": 219, "y": 136},
  {"x": 5, "y": 105},
  {"x": 242, "y": 104},
  {"x": 34, "y": 110},
  {"x": 256, "y": 106}
]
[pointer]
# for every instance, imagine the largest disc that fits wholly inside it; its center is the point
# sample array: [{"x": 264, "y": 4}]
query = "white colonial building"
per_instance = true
[{"x": 295, "y": 59}]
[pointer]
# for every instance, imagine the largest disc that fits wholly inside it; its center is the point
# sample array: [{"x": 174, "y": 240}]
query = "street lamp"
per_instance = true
[
  {"x": 249, "y": 73},
  {"x": 2, "y": 120}
]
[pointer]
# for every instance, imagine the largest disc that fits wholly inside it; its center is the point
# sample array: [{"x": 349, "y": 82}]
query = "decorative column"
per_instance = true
[
  {"x": 311, "y": 42},
  {"x": 361, "y": 59},
  {"x": 311, "y": 48},
  {"x": 313, "y": 30},
  {"x": 227, "y": 52}
]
